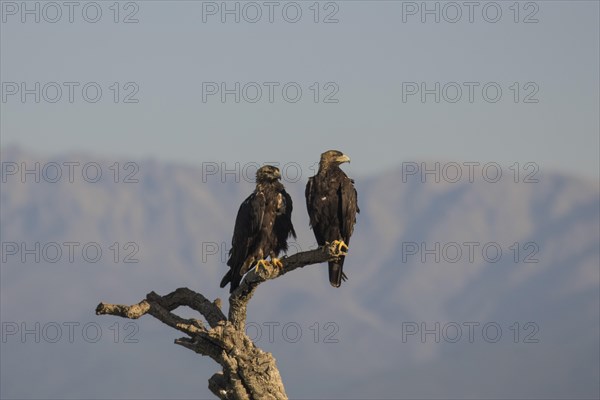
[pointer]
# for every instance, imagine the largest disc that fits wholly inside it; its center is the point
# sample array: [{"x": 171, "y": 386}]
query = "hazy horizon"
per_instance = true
[{"x": 352, "y": 168}]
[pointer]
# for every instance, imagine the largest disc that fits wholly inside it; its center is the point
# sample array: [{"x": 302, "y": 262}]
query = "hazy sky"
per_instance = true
[{"x": 375, "y": 61}]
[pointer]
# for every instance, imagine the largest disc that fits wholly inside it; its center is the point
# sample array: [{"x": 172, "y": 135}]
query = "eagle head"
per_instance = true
[
  {"x": 267, "y": 173},
  {"x": 333, "y": 157}
]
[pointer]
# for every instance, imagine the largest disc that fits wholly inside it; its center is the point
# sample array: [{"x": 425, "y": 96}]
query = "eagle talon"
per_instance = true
[
  {"x": 264, "y": 264},
  {"x": 341, "y": 248},
  {"x": 276, "y": 262}
]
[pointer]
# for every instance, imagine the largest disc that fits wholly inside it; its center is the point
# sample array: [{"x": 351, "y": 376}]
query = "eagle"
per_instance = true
[
  {"x": 262, "y": 227},
  {"x": 332, "y": 205}
]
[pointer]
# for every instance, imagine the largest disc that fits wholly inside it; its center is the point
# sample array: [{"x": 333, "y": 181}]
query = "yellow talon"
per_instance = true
[
  {"x": 277, "y": 262},
  {"x": 341, "y": 248},
  {"x": 264, "y": 264}
]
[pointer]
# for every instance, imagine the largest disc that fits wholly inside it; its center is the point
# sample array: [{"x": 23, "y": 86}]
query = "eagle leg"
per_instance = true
[{"x": 341, "y": 248}]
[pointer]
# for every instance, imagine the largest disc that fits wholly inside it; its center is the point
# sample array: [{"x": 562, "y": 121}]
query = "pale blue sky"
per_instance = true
[{"x": 368, "y": 54}]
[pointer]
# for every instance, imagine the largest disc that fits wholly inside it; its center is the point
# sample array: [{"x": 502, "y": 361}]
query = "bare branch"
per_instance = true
[
  {"x": 133, "y": 311},
  {"x": 186, "y": 297},
  {"x": 160, "y": 308},
  {"x": 180, "y": 297}
]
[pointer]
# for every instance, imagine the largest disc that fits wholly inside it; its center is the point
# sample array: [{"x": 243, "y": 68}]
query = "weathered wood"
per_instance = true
[{"x": 248, "y": 372}]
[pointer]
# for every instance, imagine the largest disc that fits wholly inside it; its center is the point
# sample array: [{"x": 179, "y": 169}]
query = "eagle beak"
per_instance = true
[
  {"x": 277, "y": 174},
  {"x": 342, "y": 159}
]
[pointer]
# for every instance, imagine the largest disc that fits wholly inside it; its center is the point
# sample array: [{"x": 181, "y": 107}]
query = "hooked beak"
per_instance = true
[{"x": 342, "y": 159}]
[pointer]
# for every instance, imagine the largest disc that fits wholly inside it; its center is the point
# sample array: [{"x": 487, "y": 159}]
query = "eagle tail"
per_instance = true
[
  {"x": 226, "y": 279},
  {"x": 233, "y": 281},
  {"x": 336, "y": 273}
]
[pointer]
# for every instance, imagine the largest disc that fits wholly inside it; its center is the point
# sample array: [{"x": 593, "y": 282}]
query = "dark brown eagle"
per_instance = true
[
  {"x": 262, "y": 226},
  {"x": 331, "y": 201}
]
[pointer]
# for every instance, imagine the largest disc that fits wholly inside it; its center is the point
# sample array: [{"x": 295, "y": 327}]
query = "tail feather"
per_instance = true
[
  {"x": 336, "y": 273},
  {"x": 226, "y": 279},
  {"x": 233, "y": 283}
]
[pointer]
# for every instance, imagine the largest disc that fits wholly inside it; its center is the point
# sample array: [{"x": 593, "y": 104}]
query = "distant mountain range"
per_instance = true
[{"x": 432, "y": 309}]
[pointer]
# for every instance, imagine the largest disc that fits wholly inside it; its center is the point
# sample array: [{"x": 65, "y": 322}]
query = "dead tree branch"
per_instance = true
[{"x": 248, "y": 372}]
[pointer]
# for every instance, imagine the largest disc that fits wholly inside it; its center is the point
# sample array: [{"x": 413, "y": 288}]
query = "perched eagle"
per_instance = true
[
  {"x": 332, "y": 205},
  {"x": 262, "y": 226}
]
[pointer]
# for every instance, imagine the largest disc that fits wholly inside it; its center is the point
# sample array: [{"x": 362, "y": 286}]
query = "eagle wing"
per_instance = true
[
  {"x": 348, "y": 207},
  {"x": 245, "y": 236},
  {"x": 308, "y": 194},
  {"x": 314, "y": 212}
]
